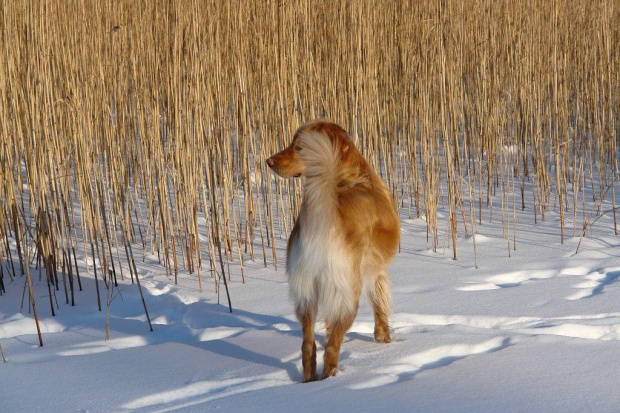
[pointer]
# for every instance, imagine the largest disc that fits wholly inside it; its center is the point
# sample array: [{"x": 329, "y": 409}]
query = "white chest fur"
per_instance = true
[{"x": 318, "y": 265}]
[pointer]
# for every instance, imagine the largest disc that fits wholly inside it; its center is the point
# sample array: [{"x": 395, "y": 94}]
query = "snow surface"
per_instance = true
[{"x": 536, "y": 331}]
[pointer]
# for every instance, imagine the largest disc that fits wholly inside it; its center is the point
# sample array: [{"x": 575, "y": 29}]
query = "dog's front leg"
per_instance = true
[{"x": 308, "y": 347}]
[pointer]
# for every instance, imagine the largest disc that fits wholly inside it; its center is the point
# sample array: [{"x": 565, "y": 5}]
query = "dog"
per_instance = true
[{"x": 343, "y": 240}]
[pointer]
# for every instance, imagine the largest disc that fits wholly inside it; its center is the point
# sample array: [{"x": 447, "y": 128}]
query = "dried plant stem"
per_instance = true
[{"x": 145, "y": 119}]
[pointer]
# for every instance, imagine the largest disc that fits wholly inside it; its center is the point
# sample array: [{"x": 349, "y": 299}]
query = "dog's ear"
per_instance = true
[
  {"x": 337, "y": 134},
  {"x": 343, "y": 137}
]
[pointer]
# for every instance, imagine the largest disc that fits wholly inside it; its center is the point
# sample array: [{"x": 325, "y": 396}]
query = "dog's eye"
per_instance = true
[{"x": 297, "y": 148}]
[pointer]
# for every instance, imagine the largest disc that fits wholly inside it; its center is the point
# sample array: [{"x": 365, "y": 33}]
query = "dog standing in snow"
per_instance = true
[{"x": 344, "y": 238}]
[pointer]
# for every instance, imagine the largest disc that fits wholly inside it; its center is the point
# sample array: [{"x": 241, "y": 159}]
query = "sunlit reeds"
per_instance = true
[{"x": 141, "y": 127}]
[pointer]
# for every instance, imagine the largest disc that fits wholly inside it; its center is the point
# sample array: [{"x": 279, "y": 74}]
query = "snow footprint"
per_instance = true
[
  {"x": 594, "y": 284},
  {"x": 511, "y": 279},
  {"x": 205, "y": 391},
  {"x": 159, "y": 288},
  {"x": 574, "y": 330},
  {"x": 408, "y": 367}
]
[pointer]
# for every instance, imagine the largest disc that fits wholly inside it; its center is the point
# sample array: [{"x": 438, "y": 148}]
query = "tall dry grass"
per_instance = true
[{"x": 132, "y": 127}]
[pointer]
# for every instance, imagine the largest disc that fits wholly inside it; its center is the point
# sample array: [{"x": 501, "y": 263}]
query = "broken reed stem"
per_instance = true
[
  {"x": 217, "y": 238},
  {"x": 146, "y": 311},
  {"x": 32, "y": 300}
]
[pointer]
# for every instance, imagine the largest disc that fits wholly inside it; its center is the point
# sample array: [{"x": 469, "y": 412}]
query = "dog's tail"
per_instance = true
[{"x": 320, "y": 155}]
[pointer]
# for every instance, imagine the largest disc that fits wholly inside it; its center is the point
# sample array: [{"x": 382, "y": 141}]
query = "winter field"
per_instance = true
[
  {"x": 536, "y": 331},
  {"x": 137, "y": 132}
]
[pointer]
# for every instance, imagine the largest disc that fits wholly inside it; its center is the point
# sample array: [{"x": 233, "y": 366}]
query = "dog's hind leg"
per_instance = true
[
  {"x": 381, "y": 303},
  {"x": 337, "y": 330},
  {"x": 307, "y": 317}
]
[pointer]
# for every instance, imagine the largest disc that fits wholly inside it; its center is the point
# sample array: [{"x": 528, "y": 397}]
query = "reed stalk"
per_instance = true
[{"x": 145, "y": 118}]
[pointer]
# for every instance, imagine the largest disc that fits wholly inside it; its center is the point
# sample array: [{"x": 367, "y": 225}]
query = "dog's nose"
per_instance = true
[{"x": 270, "y": 162}]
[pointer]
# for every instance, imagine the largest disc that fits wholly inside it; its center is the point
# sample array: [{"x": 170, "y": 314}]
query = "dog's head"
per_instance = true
[{"x": 314, "y": 144}]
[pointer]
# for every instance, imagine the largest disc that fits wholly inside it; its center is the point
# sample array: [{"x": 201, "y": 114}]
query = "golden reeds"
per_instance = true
[{"x": 148, "y": 122}]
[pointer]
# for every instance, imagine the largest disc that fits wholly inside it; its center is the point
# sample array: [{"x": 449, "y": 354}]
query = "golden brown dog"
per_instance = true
[{"x": 345, "y": 236}]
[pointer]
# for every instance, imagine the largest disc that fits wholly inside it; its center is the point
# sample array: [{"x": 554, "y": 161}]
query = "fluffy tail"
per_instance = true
[{"x": 319, "y": 154}]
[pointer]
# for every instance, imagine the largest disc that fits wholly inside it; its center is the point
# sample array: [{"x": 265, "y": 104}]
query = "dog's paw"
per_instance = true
[
  {"x": 329, "y": 371},
  {"x": 382, "y": 337},
  {"x": 309, "y": 378}
]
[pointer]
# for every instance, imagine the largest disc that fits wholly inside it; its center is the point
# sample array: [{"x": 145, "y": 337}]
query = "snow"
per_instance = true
[{"x": 536, "y": 331}]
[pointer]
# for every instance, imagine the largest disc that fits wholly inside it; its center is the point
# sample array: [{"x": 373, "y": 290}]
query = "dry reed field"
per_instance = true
[{"x": 134, "y": 127}]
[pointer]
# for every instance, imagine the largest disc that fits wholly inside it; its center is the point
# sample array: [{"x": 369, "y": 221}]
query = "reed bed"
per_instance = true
[{"x": 141, "y": 127}]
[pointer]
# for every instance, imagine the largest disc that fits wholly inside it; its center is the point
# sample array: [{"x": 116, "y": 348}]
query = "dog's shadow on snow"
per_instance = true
[
  {"x": 203, "y": 324},
  {"x": 352, "y": 335},
  {"x": 208, "y": 326}
]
